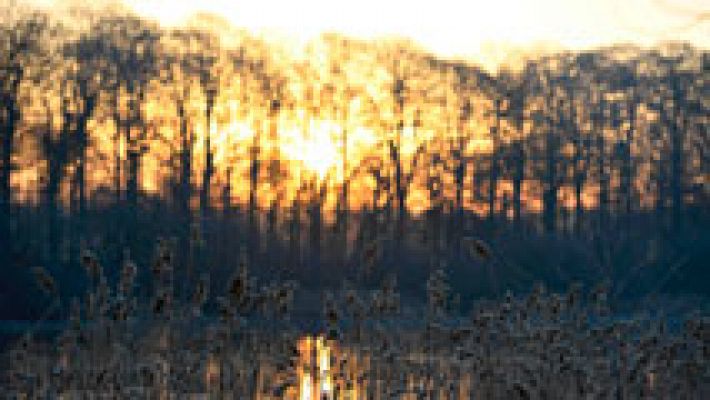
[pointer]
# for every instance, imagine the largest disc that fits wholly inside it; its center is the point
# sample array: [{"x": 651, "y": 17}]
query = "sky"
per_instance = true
[{"x": 459, "y": 28}]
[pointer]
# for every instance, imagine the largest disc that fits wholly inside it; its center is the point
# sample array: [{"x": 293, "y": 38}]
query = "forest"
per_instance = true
[{"x": 345, "y": 166}]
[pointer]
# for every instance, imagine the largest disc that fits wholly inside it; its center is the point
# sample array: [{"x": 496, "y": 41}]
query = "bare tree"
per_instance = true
[{"x": 20, "y": 41}]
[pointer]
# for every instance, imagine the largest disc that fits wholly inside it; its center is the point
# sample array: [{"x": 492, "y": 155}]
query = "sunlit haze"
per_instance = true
[
  {"x": 486, "y": 31},
  {"x": 477, "y": 29}
]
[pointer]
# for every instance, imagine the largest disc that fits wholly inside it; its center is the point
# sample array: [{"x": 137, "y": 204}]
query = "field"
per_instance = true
[{"x": 365, "y": 345}]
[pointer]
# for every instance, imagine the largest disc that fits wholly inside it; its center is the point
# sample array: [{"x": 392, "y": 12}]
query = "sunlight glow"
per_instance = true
[
  {"x": 306, "y": 387},
  {"x": 487, "y": 31},
  {"x": 315, "y": 148},
  {"x": 316, "y": 376},
  {"x": 341, "y": 133}
]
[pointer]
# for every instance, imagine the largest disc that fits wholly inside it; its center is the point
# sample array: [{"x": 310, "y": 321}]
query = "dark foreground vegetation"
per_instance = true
[{"x": 542, "y": 345}]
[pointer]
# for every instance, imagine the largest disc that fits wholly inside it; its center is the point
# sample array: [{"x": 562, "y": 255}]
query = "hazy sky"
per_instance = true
[{"x": 461, "y": 27}]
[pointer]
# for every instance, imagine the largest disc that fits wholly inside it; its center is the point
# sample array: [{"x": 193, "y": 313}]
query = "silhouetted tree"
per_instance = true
[{"x": 20, "y": 43}]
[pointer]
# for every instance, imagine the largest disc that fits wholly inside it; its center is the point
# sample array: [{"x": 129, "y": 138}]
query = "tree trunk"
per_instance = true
[
  {"x": 315, "y": 228},
  {"x": 132, "y": 180},
  {"x": 345, "y": 201},
  {"x": 82, "y": 140},
  {"x": 118, "y": 191},
  {"x": 676, "y": 172},
  {"x": 603, "y": 199},
  {"x": 579, "y": 178},
  {"x": 493, "y": 171},
  {"x": 459, "y": 178},
  {"x": 517, "y": 183},
  {"x": 401, "y": 192},
  {"x": 12, "y": 113},
  {"x": 8, "y": 145},
  {"x": 550, "y": 186},
  {"x": 52, "y": 208},
  {"x": 295, "y": 235},
  {"x": 492, "y": 186},
  {"x": 253, "y": 239},
  {"x": 208, "y": 171}
]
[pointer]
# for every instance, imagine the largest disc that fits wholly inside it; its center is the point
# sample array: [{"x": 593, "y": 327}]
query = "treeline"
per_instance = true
[{"x": 578, "y": 165}]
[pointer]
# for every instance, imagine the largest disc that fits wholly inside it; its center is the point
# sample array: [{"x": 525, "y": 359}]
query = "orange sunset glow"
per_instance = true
[{"x": 325, "y": 110}]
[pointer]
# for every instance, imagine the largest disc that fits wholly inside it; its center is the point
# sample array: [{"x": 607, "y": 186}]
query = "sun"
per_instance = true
[{"x": 315, "y": 147}]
